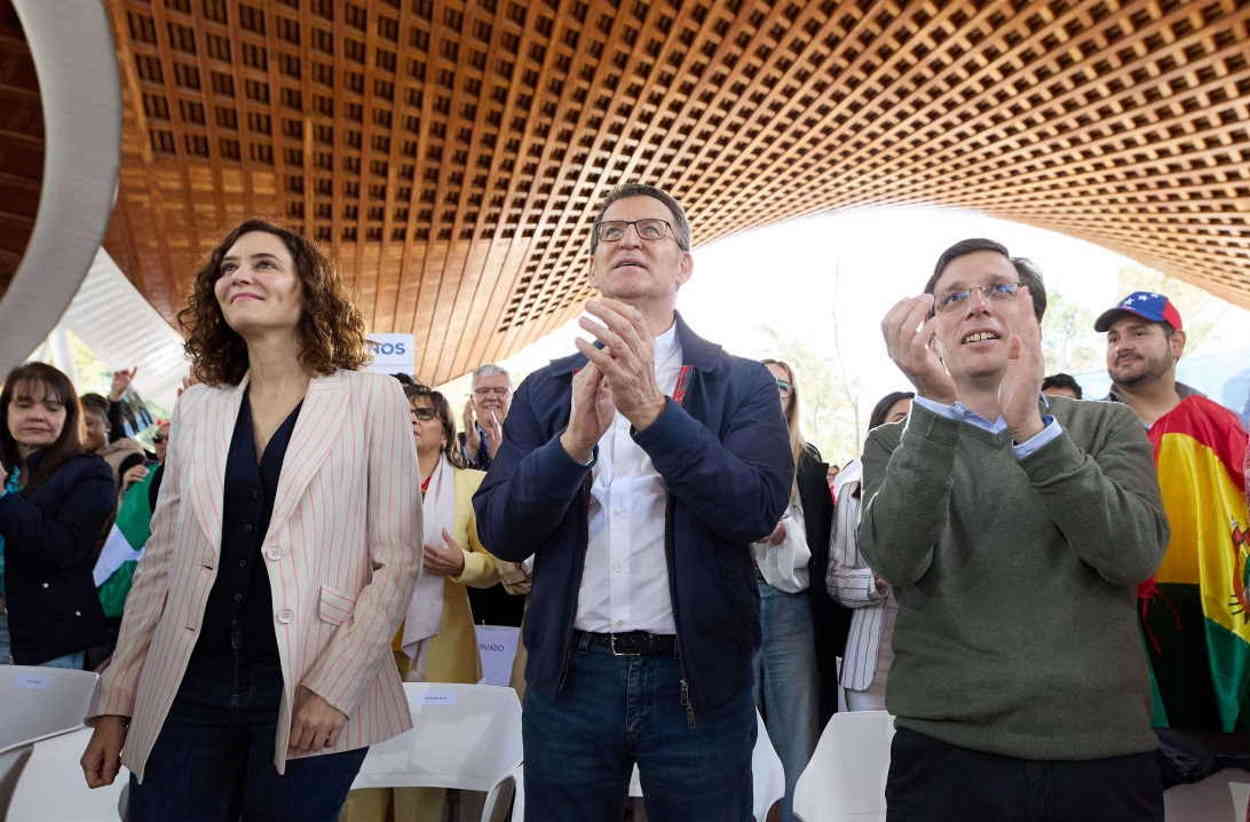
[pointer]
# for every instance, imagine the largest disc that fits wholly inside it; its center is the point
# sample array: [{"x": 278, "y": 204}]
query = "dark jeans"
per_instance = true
[
  {"x": 932, "y": 780},
  {"x": 213, "y": 760},
  {"x": 617, "y": 710}
]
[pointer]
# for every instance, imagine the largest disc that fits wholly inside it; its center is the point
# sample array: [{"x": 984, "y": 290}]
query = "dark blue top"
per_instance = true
[
  {"x": 52, "y": 537},
  {"x": 239, "y": 616},
  {"x": 721, "y": 446}
]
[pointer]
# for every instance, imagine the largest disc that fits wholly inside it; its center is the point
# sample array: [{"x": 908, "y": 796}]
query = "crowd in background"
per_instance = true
[{"x": 79, "y": 496}]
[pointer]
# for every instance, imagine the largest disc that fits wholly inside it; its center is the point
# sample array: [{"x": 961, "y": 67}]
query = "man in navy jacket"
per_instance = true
[{"x": 637, "y": 472}]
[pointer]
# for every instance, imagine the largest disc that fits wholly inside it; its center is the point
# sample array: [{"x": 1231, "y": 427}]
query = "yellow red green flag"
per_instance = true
[{"x": 1200, "y": 451}]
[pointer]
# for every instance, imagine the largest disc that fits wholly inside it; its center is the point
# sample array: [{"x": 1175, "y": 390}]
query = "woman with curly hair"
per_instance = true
[{"x": 253, "y": 667}]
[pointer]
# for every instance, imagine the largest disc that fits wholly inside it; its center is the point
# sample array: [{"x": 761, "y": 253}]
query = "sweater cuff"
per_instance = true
[
  {"x": 1039, "y": 440},
  {"x": 924, "y": 423},
  {"x": 1057, "y": 457}
]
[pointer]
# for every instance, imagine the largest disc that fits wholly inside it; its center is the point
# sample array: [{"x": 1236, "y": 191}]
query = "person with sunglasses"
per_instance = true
[
  {"x": 437, "y": 642},
  {"x": 637, "y": 472},
  {"x": 1014, "y": 529}
]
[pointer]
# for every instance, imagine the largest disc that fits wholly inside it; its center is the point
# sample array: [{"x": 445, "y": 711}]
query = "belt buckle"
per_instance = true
[{"x": 612, "y": 646}]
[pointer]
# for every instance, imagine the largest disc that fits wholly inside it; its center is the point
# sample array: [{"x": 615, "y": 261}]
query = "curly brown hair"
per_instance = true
[{"x": 332, "y": 330}]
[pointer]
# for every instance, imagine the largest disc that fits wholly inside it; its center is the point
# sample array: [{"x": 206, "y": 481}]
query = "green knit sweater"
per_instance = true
[{"x": 1016, "y": 580}]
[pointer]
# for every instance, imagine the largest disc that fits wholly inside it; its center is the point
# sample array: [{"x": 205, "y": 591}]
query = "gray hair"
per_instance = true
[
  {"x": 681, "y": 226},
  {"x": 490, "y": 370}
]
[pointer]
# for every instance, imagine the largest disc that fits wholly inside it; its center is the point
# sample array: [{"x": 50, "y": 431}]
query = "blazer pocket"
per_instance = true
[{"x": 334, "y": 607}]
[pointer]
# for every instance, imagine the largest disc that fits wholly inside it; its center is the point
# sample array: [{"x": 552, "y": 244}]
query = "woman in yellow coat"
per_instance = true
[{"x": 437, "y": 642}]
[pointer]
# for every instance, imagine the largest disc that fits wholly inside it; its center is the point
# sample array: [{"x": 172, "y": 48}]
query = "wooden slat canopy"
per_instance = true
[
  {"x": 21, "y": 143},
  {"x": 450, "y": 154}
]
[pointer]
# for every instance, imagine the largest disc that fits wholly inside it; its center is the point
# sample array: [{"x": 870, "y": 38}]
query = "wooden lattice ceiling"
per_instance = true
[
  {"x": 21, "y": 143},
  {"x": 450, "y": 154}
]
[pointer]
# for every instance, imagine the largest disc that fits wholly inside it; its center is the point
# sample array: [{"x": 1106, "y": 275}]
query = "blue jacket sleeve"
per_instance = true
[
  {"x": 739, "y": 486},
  {"x": 71, "y": 533},
  {"x": 529, "y": 487}
]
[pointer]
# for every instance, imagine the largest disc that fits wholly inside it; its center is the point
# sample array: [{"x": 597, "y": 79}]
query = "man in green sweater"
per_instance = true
[{"x": 1014, "y": 529}]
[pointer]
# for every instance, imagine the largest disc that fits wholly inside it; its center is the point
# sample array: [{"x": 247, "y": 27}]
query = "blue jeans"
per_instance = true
[
  {"x": 580, "y": 748},
  {"x": 787, "y": 682},
  {"x": 75, "y": 660},
  {"x": 213, "y": 760}
]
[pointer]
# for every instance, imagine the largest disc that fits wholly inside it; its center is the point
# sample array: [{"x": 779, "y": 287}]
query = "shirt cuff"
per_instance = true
[
  {"x": 1038, "y": 440},
  {"x": 939, "y": 408}
]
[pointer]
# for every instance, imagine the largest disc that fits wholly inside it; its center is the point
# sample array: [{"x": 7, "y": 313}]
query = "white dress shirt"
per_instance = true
[{"x": 625, "y": 581}]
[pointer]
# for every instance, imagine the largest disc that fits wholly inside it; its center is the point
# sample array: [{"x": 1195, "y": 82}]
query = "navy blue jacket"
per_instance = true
[
  {"x": 52, "y": 538},
  {"x": 724, "y": 454}
]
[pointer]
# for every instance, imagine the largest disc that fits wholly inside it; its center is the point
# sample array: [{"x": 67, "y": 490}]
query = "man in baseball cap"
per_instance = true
[
  {"x": 1197, "y": 635},
  {"x": 1145, "y": 339}
]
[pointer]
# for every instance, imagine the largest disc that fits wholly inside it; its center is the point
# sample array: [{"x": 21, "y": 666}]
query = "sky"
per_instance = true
[{"x": 803, "y": 278}]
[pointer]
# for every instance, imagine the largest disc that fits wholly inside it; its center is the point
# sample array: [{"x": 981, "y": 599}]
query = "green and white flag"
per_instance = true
[{"x": 124, "y": 546}]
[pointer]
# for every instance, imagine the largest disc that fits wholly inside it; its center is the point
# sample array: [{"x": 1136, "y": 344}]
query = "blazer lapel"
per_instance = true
[
  {"x": 209, "y": 460},
  {"x": 316, "y": 431}
]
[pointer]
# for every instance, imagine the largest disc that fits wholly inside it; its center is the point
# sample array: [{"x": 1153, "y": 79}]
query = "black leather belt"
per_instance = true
[{"x": 633, "y": 643}]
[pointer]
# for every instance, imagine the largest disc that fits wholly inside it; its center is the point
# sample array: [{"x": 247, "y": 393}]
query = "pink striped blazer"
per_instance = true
[{"x": 342, "y": 553}]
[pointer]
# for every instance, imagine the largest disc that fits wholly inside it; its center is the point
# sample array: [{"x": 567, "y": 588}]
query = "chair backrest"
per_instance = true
[
  {"x": 1241, "y": 799},
  {"x": 463, "y": 736},
  {"x": 845, "y": 778},
  {"x": 767, "y": 775},
  {"x": 36, "y": 702},
  {"x": 51, "y": 786},
  {"x": 511, "y": 789}
]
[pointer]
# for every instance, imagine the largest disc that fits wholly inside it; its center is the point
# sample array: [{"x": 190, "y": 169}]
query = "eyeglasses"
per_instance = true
[
  {"x": 423, "y": 414},
  {"x": 499, "y": 390},
  {"x": 650, "y": 229},
  {"x": 994, "y": 293},
  {"x": 783, "y": 386},
  {"x": 159, "y": 438}
]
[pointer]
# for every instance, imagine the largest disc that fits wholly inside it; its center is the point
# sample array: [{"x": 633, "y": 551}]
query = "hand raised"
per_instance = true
[
  {"x": 470, "y": 426},
  {"x": 592, "y": 413},
  {"x": 1021, "y": 385},
  {"x": 494, "y": 433},
  {"x": 909, "y": 341},
  {"x": 121, "y": 381},
  {"x": 627, "y": 359}
]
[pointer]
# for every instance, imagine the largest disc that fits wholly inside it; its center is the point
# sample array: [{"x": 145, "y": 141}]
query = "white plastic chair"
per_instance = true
[
  {"x": 51, "y": 786},
  {"x": 516, "y": 780},
  {"x": 38, "y": 702},
  {"x": 1241, "y": 799},
  {"x": 845, "y": 779},
  {"x": 768, "y": 776},
  {"x": 463, "y": 736}
]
